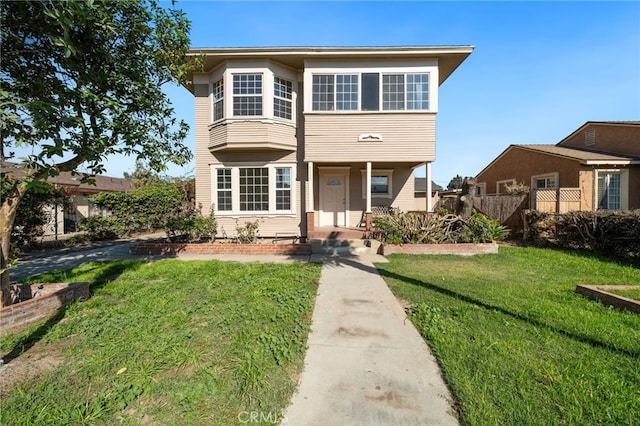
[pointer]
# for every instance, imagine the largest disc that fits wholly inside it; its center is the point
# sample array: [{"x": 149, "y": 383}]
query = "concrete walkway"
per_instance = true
[{"x": 366, "y": 364}]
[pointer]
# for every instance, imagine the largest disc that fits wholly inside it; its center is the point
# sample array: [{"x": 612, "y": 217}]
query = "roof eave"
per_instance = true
[{"x": 449, "y": 57}]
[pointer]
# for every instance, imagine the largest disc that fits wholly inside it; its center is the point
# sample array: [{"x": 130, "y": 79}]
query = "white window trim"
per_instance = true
[
  {"x": 505, "y": 181},
  {"x": 274, "y": 97},
  {"x": 269, "y": 70},
  {"x": 377, "y": 172},
  {"x": 555, "y": 176},
  {"x": 624, "y": 186},
  {"x": 235, "y": 190}
]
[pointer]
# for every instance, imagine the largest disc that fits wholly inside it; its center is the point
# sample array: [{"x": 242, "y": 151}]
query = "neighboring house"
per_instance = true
[
  {"x": 63, "y": 221},
  {"x": 596, "y": 167},
  {"x": 305, "y": 138}
]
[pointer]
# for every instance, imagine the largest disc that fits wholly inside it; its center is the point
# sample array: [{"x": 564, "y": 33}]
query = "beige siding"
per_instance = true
[
  {"x": 405, "y": 198},
  {"x": 402, "y": 197},
  {"x": 203, "y": 156},
  {"x": 334, "y": 137},
  {"x": 252, "y": 135}
]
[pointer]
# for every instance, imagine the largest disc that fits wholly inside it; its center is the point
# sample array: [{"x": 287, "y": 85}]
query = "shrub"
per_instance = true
[
  {"x": 248, "y": 233},
  {"x": 145, "y": 208},
  {"x": 191, "y": 225},
  {"x": 100, "y": 228},
  {"x": 612, "y": 233},
  {"x": 431, "y": 228}
]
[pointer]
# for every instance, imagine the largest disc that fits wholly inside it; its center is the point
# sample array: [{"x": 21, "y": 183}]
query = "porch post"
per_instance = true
[
  {"x": 310, "y": 204},
  {"x": 368, "y": 213},
  {"x": 429, "y": 189}
]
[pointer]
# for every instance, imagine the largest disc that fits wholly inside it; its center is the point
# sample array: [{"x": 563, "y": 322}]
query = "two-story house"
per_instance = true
[{"x": 309, "y": 138}]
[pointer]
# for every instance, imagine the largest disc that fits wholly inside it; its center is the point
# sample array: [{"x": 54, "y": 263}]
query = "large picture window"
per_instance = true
[
  {"x": 247, "y": 94},
  {"x": 254, "y": 189}
]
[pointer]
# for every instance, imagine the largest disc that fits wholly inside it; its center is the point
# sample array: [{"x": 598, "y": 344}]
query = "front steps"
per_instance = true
[{"x": 344, "y": 246}]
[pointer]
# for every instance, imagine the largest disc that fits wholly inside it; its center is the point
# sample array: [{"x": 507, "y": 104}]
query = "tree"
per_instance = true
[
  {"x": 144, "y": 176},
  {"x": 81, "y": 81},
  {"x": 455, "y": 183}
]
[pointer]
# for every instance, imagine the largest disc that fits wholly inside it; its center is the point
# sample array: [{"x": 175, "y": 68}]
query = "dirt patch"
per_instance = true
[{"x": 37, "y": 361}]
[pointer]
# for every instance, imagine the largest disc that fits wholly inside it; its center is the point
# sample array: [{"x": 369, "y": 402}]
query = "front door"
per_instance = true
[{"x": 333, "y": 197}]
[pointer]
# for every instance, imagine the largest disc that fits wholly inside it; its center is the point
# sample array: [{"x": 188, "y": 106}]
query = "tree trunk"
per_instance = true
[
  {"x": 8, "y": 215},
  {"x": 465, "y": 200}
]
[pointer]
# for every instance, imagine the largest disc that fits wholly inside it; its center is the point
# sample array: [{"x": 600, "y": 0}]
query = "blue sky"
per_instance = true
[{"x": 538, "y": 72}]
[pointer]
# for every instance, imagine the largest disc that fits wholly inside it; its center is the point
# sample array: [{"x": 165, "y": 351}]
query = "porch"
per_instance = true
[{"x": 342, "y": 198}]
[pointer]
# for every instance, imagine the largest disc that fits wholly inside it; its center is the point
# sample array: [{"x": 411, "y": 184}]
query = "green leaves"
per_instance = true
[{"x": 84, "y": 79}]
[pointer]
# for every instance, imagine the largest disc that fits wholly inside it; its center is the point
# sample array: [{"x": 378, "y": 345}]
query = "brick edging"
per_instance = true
[
  {"x": 464, "y": 249},
  {"x": 156, "y": 247},
  {"x": 41, "y": 307},
  {"x": 600, "y": 293}
]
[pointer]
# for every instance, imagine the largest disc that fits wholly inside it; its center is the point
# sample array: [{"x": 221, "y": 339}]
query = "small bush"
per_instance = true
[
  {"x": 248, "y": 233},
  {"x": 100, "y": 228},
  {"x": 191, "y": 225}
]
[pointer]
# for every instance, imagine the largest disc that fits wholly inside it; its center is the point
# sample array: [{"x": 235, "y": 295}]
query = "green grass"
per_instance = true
[
  {"x": 630, "y": 294},
  {"x": 170, "y": 342},
  {"x": 516, "y": 344}
]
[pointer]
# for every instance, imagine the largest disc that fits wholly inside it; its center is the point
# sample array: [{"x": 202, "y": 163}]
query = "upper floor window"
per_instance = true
[
  {"x": 282, "y": 103},
  {"x": 347, "y": 92},
  {"x": 218, "y": 100},
  {"x": 417, "y": 91},
  {"x": 323, "y": 92},
  {"x": 247, "y": 94},
  {"x": 372, "y": 91}
]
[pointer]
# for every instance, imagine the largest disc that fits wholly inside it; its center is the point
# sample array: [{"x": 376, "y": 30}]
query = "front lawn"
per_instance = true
[
  {"x": 168, "y": 342},
  {"x": 516, "y": 344}
]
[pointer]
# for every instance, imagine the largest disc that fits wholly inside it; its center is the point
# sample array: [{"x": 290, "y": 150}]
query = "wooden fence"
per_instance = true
[{"x": 560, "y": 200}]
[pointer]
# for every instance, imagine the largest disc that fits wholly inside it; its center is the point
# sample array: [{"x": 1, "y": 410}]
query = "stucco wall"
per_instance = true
[{"x": 619, "y": 138}]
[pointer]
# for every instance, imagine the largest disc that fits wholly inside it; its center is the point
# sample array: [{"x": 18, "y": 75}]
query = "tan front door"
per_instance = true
[{"x": 333, "y": 197}]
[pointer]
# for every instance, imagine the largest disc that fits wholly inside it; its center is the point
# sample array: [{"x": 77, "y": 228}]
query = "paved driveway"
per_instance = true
[{"x": 60, "y": 259}]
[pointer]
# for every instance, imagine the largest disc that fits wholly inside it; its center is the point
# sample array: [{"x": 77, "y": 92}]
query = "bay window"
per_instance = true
[
  {"x": 247, "y": 94},
  {"x": 241, "y": 190}
]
